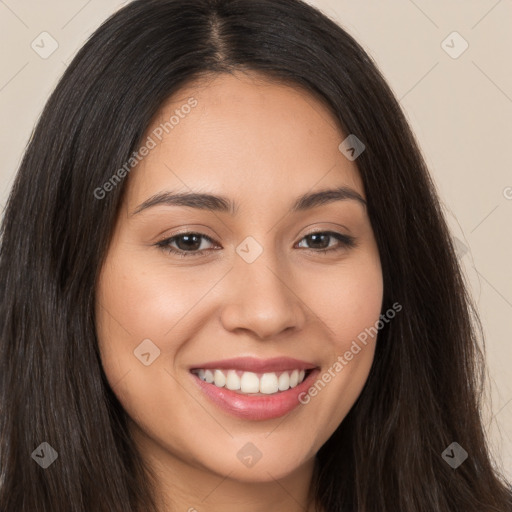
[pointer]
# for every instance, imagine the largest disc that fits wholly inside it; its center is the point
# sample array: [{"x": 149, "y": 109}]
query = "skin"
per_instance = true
[{"x": 262, "y": 145}]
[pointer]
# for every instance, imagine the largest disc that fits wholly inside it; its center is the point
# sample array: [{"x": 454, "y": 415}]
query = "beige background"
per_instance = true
[{"x": 460, "y": 109}]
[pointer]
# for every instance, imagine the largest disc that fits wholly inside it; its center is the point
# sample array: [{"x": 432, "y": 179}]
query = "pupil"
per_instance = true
[
  {"x": 315, "y": 237},
  {"x": 191, "y": 242}
]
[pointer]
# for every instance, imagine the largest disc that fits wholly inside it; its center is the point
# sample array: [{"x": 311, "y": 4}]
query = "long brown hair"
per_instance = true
[{"x": 424, "y": 387}]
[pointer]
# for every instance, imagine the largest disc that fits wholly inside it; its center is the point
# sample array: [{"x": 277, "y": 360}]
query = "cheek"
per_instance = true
[
  {"x": 348, "y": 301},
  {"x": 135, "y": 306},
  {"x": 347, "y": 298},
  {"x": 139, "y": 305},
  {"x": 139, "y": 299}
]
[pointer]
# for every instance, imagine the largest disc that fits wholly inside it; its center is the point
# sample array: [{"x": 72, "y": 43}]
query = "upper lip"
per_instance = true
[{"x": 253, "y": 364}]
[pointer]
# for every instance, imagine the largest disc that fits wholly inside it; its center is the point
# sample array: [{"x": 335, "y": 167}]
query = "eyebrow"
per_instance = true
[{"x": 216, "y": 203}]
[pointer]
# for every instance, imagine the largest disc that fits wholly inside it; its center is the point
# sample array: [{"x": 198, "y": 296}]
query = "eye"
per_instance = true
[
  {"x": 320, "y": 240},
  {"x": 190, "y": 244},
  {"x": 186, "y": 244}
]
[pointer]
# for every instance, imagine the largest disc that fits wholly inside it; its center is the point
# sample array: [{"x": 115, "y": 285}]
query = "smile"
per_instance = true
[
  {"x": 248, "y": 383},
  {"x": 255, "y": 389}
]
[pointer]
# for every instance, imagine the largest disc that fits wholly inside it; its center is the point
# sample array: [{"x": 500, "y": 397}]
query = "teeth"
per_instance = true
[
  {"x": 232, "y": 380},
  {"x": 294, "y": 378},
  {"x": 249, "y": 382},
  {"x": 284, "y": 381},
  {"x": 269, "y": 383},
  {"x": 219, "y": 378}
]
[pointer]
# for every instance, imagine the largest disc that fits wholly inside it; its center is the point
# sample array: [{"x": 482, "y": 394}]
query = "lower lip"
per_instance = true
[{"x": 256, "y": 407}]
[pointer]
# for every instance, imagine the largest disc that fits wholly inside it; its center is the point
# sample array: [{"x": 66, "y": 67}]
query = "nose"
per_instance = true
[{"x": 262, "y": 299}]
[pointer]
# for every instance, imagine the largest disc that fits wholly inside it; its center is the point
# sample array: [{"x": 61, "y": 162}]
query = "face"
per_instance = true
[{"x": 260, "y": 291}]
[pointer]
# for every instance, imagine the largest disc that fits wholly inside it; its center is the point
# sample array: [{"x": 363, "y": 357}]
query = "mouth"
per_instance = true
[
  {"x": 251, "y": 383},
  {"x": 254, "y": 389}
]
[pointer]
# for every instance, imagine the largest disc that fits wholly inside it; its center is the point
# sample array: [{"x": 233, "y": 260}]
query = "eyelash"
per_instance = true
[{"x": 346, "y": 242}]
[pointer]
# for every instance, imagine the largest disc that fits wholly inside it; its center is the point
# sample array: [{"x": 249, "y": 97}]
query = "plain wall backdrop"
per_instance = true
[{"x": 449, "y": 64}]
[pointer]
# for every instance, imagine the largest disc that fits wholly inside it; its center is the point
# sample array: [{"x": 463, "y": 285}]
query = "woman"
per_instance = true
[{"x": 228, "y": 284}]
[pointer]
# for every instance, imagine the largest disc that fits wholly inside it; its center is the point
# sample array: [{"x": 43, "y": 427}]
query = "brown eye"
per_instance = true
[
  {"x": 185, "y": 244},
  {"x": 320, "y": 241}
]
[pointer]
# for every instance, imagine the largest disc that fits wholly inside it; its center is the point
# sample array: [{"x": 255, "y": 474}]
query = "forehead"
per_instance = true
[{"x": 245, "y": 134}]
